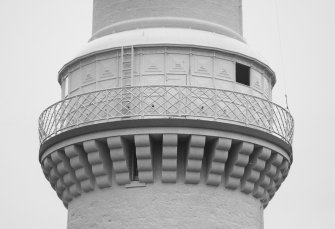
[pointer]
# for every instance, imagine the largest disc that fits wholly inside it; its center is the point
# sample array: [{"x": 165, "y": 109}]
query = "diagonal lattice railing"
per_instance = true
[{"x": 186, "y": 102}]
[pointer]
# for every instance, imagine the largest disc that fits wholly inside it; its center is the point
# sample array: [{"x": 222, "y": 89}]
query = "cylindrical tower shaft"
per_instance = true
[
  {"x": 166, "y": 206},
  {"x": 219, "y": 16}
]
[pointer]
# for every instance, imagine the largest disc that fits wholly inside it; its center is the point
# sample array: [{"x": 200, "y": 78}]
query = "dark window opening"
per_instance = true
[{"x": 242, "y": 74}]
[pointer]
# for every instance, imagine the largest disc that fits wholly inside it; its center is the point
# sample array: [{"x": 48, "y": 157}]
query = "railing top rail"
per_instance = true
[{"x": 136, "y": 102}]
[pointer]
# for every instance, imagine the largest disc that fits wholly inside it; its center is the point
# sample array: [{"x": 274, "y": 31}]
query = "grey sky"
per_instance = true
[{"x": 39, "y": 36}]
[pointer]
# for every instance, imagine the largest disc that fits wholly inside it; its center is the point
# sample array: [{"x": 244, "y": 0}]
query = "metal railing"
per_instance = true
[{"x": 145, "y": 102}]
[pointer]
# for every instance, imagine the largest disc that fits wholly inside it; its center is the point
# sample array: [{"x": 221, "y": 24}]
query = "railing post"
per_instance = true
[
  {"x": 246, "y": 112},
  {"x": 179, "y": 102},
  {"x": 55, "y": 117},
  {"x": 271, "y": 118},
  {"x": 165, "y": 100},
  {"x": 141, "y": 102},
  {"x": 106, "y": 98},
  {"x": 215, "y": 103},
  {"x": 77, "y": 116}
]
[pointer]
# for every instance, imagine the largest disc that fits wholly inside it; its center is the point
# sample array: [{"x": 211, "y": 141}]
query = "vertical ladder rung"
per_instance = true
[{"x": 127, "y": 55}]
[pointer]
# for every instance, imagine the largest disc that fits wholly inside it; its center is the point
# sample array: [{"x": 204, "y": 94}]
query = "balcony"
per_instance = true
[{"x": 166, "y": 102}]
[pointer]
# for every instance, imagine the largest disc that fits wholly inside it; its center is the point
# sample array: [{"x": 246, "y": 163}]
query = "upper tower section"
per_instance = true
[
  {"x": 195, "y": 43},
  {"x": 166, "y": 91},
  {"x": 219, "y": 16},
  {"x": 167, "y": 59}
]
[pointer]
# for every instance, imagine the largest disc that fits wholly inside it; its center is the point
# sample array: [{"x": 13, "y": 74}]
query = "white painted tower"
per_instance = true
[{"x": 166, "y": 121}]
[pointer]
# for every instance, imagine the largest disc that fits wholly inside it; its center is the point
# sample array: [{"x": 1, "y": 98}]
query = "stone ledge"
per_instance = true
[{"x": 166, "y": 124}]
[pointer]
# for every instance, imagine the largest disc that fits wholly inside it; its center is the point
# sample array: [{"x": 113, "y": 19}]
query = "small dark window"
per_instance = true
[{"x": 242, "y": 74}]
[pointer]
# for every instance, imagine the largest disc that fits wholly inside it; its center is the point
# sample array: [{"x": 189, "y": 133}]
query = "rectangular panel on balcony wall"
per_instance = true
[
  {"x": 267, "y": 87},
  {"x": 256, "y": 79},
  {"x": 202, "y": 66},
  {"x": 74, "y": 81},
  {"x": 107, "y": 68},
  {"x": 136, "y": 65},
  {"x": 201, "y": 81},
  {"x": 224, "y": 70},
  {"x": 177, "y": 64},
  {"x": 173, "y": 79},
  {"x": 152, "y": 80},
  {"x": 152, "y": 64},
  {"x": 88, "y": 73}
]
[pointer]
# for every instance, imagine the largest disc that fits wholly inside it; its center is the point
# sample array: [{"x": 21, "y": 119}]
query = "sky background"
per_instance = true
[{"x": 39, "y": 36}]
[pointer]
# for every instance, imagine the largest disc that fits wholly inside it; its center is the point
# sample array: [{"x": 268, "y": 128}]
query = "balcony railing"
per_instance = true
[{"x": 184, "y": 102}]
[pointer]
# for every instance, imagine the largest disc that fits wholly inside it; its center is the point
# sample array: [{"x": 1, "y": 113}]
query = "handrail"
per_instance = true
[{"x": 145, "y": 102}]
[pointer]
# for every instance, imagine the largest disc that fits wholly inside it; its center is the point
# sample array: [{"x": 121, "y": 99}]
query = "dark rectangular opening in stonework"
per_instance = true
[
  {"x": 242, "y": 74},
  {"x": 133, "y": 169}
]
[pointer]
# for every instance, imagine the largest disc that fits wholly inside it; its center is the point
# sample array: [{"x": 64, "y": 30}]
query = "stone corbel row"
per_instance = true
[{"x": 83, "y": 167}]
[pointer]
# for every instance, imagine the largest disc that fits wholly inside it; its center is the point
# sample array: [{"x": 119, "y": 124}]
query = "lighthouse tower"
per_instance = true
[{"x": 166, "y": 121}]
